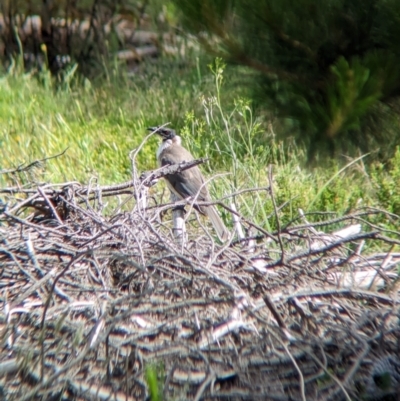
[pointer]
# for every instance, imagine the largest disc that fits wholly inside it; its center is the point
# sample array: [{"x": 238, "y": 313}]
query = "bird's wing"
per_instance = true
[{"x": 190, "y": 183}]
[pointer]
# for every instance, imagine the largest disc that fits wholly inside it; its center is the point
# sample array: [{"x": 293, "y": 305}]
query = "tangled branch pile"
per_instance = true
[{"x": 94, "y": 306}]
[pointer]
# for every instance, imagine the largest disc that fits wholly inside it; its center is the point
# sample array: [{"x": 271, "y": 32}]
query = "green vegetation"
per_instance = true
[
  {"x": 330, "y": 68},
  {"x": 94, "y": 117},
  {"x": 99, "y": 123},
  {"x": 154, "y": 383}
]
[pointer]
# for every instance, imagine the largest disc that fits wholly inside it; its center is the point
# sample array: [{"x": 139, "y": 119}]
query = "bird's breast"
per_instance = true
[{"x": 164, "y": 145}]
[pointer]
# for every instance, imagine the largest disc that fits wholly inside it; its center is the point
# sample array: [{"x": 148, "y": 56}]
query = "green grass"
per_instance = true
[
  {"x": 100, "y": 123},
  {"x": 153, "y": 381}
]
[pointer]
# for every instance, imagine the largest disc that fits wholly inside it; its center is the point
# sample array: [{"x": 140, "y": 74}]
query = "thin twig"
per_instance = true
[
  {"x": 278, "y": 224},
  {"x": 21, "y": 168}
]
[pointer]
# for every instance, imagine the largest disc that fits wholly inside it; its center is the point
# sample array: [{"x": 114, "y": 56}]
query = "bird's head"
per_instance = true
[{"x": 165, "y": 133}]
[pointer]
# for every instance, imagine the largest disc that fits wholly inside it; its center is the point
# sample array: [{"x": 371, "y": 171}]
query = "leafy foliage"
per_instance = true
[
  {"x": 386, "y": 179},
  {"x": 330, "y": 67},
  {"x": 238, "y": 141}
]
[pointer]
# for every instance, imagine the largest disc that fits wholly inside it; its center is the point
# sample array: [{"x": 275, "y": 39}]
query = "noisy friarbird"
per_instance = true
[{"x": 188, "y": 183}]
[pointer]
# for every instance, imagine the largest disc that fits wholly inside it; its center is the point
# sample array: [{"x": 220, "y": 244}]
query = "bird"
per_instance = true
[{"x": 188, "y": 183}]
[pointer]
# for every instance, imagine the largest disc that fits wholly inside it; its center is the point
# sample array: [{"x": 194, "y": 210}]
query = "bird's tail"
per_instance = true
[{"x": 212, "y": 213}]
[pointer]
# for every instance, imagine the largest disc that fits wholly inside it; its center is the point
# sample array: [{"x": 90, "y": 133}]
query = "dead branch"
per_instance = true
[{"x": 91, "y": 299}]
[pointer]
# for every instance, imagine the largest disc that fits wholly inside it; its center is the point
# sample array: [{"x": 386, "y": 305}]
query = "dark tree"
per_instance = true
[{"x": 332, "y": 67}]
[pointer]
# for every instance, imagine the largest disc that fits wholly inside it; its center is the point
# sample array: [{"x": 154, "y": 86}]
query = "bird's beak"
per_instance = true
[{"x": 152, "y": 129}]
